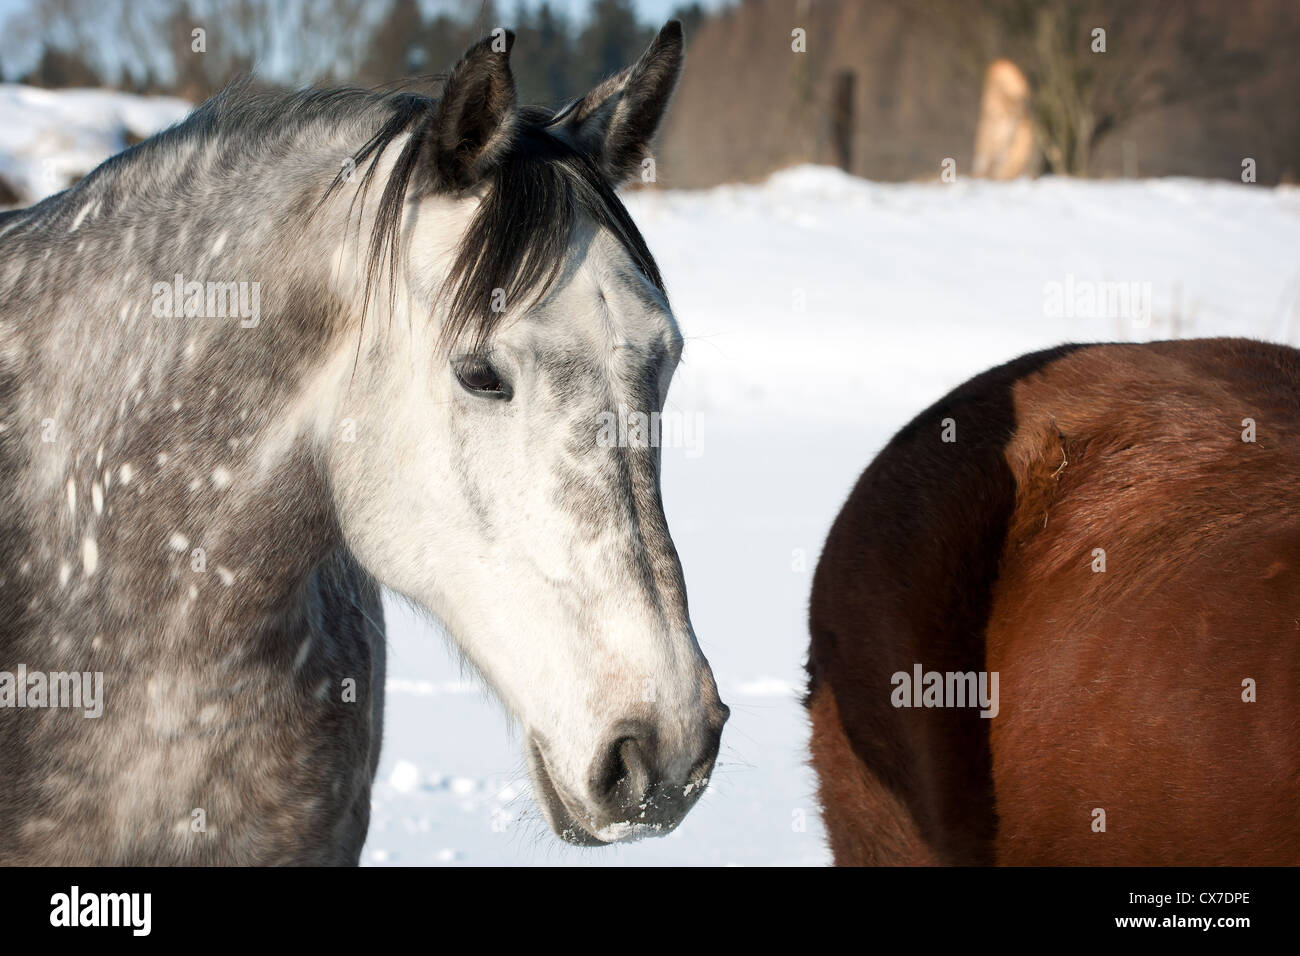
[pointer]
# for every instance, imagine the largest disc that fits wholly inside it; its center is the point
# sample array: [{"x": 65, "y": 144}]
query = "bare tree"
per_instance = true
[{"x": 1095, "y": 66}]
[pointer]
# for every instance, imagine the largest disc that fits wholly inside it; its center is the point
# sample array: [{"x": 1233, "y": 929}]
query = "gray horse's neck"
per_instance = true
[
  {"x": 160, "y": 326},
  {"x": 165, "y": 519}
]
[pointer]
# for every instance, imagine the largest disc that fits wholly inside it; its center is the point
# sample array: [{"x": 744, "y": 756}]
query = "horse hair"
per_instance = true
[{"x": 517, "y": 239}]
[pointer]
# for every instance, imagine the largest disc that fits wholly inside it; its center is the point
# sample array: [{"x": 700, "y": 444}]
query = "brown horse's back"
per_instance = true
[{"x": 1120, "y": 690}]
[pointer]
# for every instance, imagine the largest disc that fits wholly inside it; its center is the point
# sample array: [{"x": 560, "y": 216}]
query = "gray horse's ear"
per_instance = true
[
  {"x": 476, "y": 116},
  {"x": 615, "y": 122}
]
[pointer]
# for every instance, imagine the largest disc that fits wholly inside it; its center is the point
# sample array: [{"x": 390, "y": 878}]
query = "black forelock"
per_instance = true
[{"x": 516, "y": 245}]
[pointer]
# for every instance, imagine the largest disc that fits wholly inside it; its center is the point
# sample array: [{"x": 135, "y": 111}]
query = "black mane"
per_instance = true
[{"x": 519, "y": 236}]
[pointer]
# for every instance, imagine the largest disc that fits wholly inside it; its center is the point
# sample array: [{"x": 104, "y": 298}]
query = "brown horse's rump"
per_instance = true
[{"x": 1120, "y": 690}]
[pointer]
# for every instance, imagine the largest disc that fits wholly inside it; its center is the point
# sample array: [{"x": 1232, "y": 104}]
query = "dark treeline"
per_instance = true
[
  {"x": 149, "y": 46},
  {"x": 887, "y": 89},
  {"x": 554, "y": 57}
]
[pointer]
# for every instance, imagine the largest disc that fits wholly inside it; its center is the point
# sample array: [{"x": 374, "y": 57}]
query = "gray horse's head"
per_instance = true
[{"x": 509, "y": 307}]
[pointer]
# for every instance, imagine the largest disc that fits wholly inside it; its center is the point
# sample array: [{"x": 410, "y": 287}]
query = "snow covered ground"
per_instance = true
[
  {"x": 821, "y": 313},
  {"x": 51, "y": 138}
]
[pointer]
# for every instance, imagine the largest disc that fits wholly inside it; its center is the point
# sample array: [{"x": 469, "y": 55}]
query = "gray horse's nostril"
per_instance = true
[
  {"x": 631, "y": 783},
  {"x": 637, "y": 773},
  {"x": 624, "y": 774}
]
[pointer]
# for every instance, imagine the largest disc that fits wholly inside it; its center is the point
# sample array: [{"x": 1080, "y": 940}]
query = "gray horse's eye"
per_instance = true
[{"x": 476, "y": 375}]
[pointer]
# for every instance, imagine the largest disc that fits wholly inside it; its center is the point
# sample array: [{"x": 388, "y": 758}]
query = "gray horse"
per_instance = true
[{"x": 297, "y": 347}]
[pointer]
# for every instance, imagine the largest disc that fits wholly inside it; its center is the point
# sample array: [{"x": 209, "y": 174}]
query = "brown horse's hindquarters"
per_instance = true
[
  {"x": 1107, "y": 535},
  {"x": 1134, "y": 713},
  {"x": 866, "y": 822}
]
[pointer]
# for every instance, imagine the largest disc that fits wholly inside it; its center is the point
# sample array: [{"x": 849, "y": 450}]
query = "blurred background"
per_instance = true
[
  {"x": 886, "y": 89},
  {"x": 857, "y": 205}
]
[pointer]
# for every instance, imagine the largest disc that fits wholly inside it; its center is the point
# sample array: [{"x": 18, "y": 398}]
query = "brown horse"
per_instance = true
[{"x": 1097, "y": 547}]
